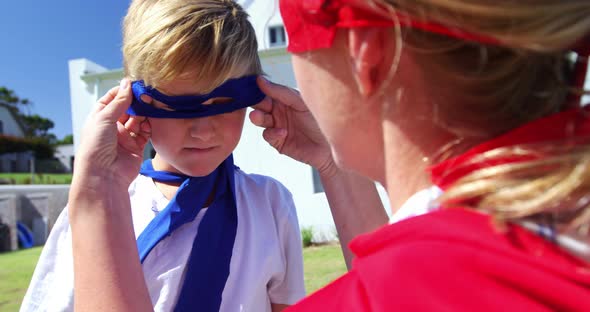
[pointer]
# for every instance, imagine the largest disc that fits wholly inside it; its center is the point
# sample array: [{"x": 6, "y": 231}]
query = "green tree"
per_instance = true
[
  {"x": 68, "y": 139},
  {"x": 9, "y": 99},
  {"x": 36, "y": 126},
  {"x": 37, "y": 136}
]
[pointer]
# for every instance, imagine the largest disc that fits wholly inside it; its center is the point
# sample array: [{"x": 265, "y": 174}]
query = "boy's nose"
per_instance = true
[{"x": 202, "y": 129}]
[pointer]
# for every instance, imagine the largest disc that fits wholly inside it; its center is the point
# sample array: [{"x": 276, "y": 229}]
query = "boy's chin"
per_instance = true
[
  {"x": 198, "y": 169},
  {"x": 198, "y": 172}
]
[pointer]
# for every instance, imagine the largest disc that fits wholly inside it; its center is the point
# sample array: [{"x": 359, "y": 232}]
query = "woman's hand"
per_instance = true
[
  {"x": 108, "y": 273},
  {"x": 290, "y": 128},
  {"x": 112, "y": 142}
]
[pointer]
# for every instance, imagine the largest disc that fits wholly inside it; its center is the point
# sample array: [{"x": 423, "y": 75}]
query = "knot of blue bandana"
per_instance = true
[
  {"x": 243, "y": 92},
  {"x": 208, "y": 265}
]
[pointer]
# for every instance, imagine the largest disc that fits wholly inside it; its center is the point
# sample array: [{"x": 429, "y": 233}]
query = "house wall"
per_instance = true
[
  {"x": 263, "y": 15},
  {"x": 36, "y": 206},
  {"x": 65, "y": 154}
]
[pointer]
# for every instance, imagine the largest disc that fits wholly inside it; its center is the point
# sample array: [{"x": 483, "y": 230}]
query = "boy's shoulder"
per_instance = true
[
  {"x": 264, "y": 195},
  {"x": 261, "y": 184}
]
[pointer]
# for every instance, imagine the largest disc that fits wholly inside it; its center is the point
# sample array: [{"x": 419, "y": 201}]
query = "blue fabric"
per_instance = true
[
  {"x": 243, "y": 91},
  {"x": 209, "y": 261}
]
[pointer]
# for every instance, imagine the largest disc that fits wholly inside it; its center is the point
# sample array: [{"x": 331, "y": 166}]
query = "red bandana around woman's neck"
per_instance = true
[{"x": 568, "y": 127}]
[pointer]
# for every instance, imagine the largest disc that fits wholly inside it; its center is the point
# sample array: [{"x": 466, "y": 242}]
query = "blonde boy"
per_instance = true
[{"x": 210, "y": 237}]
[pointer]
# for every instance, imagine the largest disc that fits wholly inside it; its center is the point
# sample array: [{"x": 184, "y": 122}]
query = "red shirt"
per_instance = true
[{"x": 455, "y": 260}]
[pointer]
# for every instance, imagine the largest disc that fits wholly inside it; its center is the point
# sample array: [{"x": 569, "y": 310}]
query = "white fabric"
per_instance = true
[
  {"x": 420, "y": 203},
  {"x": 266, "y": 264}
]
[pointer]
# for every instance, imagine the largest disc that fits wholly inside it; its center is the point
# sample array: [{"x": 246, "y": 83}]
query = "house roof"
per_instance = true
[{"x": 13, "y": 112}]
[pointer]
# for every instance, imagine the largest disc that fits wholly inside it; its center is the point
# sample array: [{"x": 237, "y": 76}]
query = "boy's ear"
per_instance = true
[{"x": 370, "y": 52}]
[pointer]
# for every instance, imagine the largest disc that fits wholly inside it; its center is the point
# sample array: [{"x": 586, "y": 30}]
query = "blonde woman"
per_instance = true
[{"x": 479, "y": 101}]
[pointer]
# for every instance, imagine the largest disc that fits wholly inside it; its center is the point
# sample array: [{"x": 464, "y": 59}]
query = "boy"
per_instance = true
[{"x": 210, "y": 237}]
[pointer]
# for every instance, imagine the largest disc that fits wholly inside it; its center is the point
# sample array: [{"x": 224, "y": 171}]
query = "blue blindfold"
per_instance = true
[{"x": 243, "y": 92}]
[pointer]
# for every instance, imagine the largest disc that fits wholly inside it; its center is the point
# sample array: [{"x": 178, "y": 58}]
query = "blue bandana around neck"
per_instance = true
[
  {"x": 243, "y": 92},
  {"x": 209, "y": 261}
]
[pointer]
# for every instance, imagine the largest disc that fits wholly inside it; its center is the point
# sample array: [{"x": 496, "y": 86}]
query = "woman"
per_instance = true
[{"x": 477, "y": 100}]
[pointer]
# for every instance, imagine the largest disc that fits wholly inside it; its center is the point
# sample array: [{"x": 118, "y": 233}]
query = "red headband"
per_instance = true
[{"x": 312, "y": 25}]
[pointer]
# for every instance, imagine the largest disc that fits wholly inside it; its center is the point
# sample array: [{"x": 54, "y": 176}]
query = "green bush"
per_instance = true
[
  {"x": 306, "y": 236},
  {"x": 40, "y": 147}
]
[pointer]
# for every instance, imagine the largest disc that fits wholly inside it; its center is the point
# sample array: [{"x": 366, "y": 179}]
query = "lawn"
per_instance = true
[
  {"x": 16, "y": 269},
  {"x": 322, "y": 265},
  {"x": 40, "y": 178}
]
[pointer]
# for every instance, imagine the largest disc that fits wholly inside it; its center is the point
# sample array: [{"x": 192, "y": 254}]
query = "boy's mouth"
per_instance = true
[{"x": 199, "y": 149}]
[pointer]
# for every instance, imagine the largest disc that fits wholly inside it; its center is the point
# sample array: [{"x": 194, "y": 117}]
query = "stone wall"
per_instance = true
[
  {"x": 36, "y": 206},
  {"x": 8, "y": 217}
]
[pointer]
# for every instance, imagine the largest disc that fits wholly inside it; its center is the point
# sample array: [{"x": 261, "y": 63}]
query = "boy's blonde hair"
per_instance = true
[
  {"x": 501, "y": 87},
  {"x": 209, "y": 41}
]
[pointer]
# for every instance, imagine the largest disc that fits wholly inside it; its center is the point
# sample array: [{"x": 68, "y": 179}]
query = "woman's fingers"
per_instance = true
[
  {"x": 134, "y": 123},
  {"x": 119, "y": 104},
  {"x": 145, "y": 127},
  {"x": 105, "y": 100},
  {"x": 265, "y": 105},
  {"x": 275, "y": 137},
  {"x": 131, "y": 141},
  {"x": 261, "y": 119},
  {"x": 109, "y": 96},
  {"x": 283, "y": 94}
]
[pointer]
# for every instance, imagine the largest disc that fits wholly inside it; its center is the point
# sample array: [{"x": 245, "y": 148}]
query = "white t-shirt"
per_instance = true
[
  {"x": 418, "y": 204},
  {"x": 266, "y": 265}
]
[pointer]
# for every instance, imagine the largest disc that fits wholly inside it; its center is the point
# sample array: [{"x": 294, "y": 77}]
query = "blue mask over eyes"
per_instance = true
[{"x": 243, "y": 92}]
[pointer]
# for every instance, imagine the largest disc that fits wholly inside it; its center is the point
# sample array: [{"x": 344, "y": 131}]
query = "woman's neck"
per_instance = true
[
  {"x": 412, "y": 143},
  {"x": 405, "y": 171}
]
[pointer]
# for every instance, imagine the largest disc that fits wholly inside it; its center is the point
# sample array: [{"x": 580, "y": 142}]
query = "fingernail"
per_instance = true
[
  {"x": 124, "y": 83},
  {"x": 145, "y": 127}
]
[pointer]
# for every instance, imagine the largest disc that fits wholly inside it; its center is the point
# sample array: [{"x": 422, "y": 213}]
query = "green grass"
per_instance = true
[
  {"x": 16, "y": 269},
  {"x": 40, "y": 178},
  {"x": 322, "y": 265}
]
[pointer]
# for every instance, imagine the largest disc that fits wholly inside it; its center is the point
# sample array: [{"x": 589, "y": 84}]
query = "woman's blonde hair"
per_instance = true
[
  {"x": 525, "y": 77},
  {"x": 209, "y": 41}
]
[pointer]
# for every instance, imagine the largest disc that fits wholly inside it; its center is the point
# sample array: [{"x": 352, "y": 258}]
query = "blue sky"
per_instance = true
[{"x": 38, "y": 38}]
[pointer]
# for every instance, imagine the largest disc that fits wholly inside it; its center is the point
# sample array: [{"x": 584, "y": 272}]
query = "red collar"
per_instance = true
[{"x": 571, "y": 127}]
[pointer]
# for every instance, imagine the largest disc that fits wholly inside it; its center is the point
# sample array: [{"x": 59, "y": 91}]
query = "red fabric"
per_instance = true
[
  {"x": 312, "y": 24},
  {"x": 455, "y": 260},
  {"x": 569, "y": 127}
]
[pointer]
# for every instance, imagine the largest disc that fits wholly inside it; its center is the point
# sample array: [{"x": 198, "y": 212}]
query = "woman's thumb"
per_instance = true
[{"x": 119, "y": 105}]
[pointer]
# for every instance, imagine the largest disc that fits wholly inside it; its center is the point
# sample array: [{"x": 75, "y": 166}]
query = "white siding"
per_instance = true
[
  {"x": 64, "y": 154},
  {"x": 83, "y": 94},
  {"x": 263, "y": 14}
]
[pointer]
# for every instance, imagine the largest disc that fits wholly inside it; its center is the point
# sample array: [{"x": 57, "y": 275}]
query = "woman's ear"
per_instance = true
[{"x": 370, "y": 53}]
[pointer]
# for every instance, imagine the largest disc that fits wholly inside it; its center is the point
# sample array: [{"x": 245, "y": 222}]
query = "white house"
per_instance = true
[
  {"x": 65, "y": 154},
  {"x": 89, "y": 81},
  {"x": 10, "y": 126}
]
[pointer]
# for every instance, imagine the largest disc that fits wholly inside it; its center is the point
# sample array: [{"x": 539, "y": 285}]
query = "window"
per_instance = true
[
  {"x": 277, "y": 36},
  {"x": 317, "y": 182}
]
